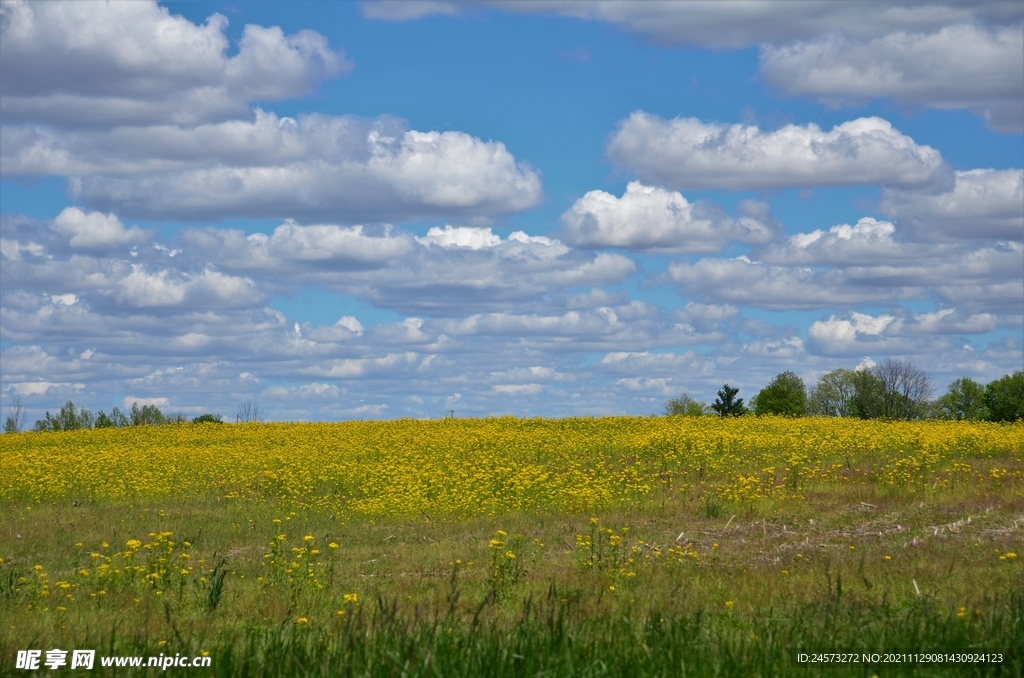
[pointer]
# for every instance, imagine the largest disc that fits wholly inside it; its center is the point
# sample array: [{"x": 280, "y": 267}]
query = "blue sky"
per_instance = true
[{"x": 392, "y": 209}]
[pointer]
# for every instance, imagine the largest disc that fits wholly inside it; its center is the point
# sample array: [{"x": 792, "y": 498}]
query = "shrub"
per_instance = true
[{"x": 208, "y": 418}]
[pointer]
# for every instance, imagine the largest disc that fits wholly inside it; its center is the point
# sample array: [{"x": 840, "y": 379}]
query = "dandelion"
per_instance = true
[
  {"x": 302, "y": 620},
  {"x": 332, "y": 545},
  {"x": 351, "y": 597},
  {"x": 728, "y": 604}
]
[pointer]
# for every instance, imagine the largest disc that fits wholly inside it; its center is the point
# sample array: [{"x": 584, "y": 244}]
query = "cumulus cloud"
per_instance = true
[
  {"x": 316, "y": 167},
  {"x": 451, "y": 271},
  {"x": 686, "y": 153},
  {"x": 95, "y": 230},
  {"x": 958, "y": 66},
  {"x": 854, "y": 265},
  {"x": 985, "y": 203},
  {"x": 461, "y": 236},
  {"x": 146, "y": 116},
  {"x": 854, "y": 334},
  {"x": 218, "y": 268},
  {"x": 74, "y": 64},
  {"x": 654, "y": 219}
]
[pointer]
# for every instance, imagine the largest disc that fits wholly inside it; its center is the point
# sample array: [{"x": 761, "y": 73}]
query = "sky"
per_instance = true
[{"x": 404, "y": 209}]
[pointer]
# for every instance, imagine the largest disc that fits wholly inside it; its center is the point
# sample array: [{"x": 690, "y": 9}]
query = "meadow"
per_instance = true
[{"x": 612, "y": 546}]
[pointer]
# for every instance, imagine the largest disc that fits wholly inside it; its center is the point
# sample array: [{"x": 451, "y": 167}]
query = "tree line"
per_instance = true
[
  {"x": 71, "y": 418},
  {"x": 892, "y": 389}
]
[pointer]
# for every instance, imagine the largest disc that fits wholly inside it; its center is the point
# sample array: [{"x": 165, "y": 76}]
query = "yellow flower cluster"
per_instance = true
[{"x": 493, "y": 466}]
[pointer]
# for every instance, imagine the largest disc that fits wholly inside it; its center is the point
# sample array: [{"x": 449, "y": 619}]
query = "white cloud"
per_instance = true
[
  {"x": 518, "y": 389},
  {"x": 853, "y": 334},
  {"x": 78, "y": 64},
  {"x": 461, "y": 236},
  {"x": 654, "y": 219},
  {"x": 958, "y": 66},
  {"x": 749, "y": 283},
  {"x": 143, "y": 402},
  {"x": 312, "y": 168},
  {"x": 855, "y": 265},
  {"x": 686, "y": 153},
  {"x": 869, "y": 242},
  {"x": 39, "y": 388},
  {"x": 95, "y": 230},
  {"x": 314, "y": 391},
  {"x": 299, "y": 249},
  {"x": 351, "y": 324},
  {"x": 143, "y": 289},
  {"x": 985, "y": 203}
]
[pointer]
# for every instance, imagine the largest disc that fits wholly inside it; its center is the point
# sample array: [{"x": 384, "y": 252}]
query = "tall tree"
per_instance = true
[
  {"x": 16, "y": 415},
  {"x": 727, "y": 404},
  {"x": 1004, "y": 397},
  {"x": 835, "y": 395},
  {"x": 964, "y": 399},
  {"x": 905, "y": 389},
  {"x": 869, "y": 395},
  {"x": 785, "y": 395}
]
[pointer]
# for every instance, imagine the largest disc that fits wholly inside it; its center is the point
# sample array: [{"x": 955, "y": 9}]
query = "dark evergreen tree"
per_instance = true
[{"x": 727, "y": 404}]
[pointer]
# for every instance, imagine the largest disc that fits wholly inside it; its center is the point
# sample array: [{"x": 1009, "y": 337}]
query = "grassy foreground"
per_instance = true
[{"x": 625, "y": 546}]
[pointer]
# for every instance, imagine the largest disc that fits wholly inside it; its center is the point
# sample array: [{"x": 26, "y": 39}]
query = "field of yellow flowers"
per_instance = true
[
  {"x": 288, "y": 549},
  {"x": 490, "y": 467}
]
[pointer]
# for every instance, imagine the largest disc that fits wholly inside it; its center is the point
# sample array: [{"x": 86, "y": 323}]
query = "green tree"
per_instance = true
[
  {"x": 727, "y": 404},
  {"x": 868, "y": 395},
  {"x": 685, "y": 406},
  {"x": 208, "y": 419},
  {"x": 964, "y": 399},
  {"x": 67, "y": 419},
  {"x": 1004, "y": 397},
  {"x": 785, "y": 395},
  {"x": 147, "y": 415},
  {"x": 116, "y": 419},
  {"x": 835, "y": 395}
]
